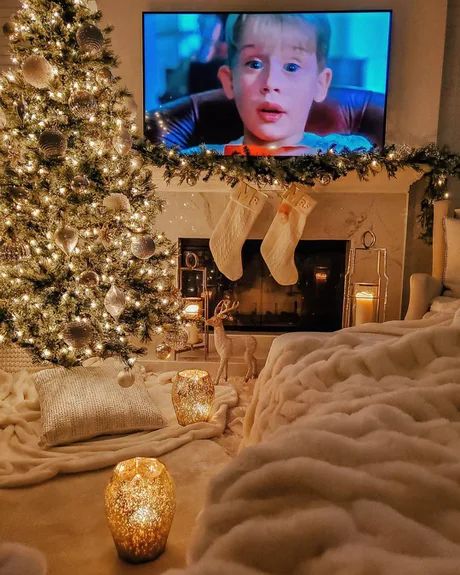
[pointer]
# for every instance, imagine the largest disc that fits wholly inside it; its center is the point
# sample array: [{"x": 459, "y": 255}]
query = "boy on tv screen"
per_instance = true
[{"x": 277, "y": 67}]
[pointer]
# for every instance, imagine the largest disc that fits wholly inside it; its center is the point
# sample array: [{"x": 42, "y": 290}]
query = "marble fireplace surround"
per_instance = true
[{"x": 345, "y": 210}]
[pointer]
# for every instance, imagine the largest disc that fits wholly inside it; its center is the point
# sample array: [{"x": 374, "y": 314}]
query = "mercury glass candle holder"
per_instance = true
[
  {"x": 140, "y": 504},
  {"x": 192, "y": 396}
]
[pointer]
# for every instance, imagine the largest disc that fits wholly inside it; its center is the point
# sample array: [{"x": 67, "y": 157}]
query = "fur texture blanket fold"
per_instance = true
[
  {"x": 24, "y": 462},
  {"x": 352, "y": 464}
]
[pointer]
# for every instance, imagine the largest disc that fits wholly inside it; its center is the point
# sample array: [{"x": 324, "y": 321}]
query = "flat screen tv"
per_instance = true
[{"x": 278, "y": 83}]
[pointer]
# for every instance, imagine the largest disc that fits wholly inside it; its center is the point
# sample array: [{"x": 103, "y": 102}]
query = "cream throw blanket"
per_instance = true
[
  {"x": 354, "y": 467},
  {"x": 24, "y": 462}
]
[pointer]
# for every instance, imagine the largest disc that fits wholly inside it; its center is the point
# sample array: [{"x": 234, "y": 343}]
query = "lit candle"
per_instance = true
[
  {"x": 192, "y": 396},
  {"x": 364, "y": 308},
  {"x": 140, "y": 504}
]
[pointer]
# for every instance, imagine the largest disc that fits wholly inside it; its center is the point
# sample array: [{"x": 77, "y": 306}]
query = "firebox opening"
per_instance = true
[{"x": 314, "y": 303}]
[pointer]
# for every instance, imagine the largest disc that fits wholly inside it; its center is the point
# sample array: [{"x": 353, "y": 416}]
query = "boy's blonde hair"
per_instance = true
[{"x": 319, "y": 22}]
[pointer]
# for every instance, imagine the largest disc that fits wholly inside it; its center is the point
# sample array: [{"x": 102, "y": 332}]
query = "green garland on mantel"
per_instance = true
[{"x": 435, "y": 165}]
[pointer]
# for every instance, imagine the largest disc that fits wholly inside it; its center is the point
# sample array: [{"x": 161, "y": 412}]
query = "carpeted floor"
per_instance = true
[{"x": 64, "y": 517}]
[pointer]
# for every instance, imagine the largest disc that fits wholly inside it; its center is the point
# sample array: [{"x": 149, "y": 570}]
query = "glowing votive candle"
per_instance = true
[
  {"x": 140, "y": 504},
  {"x": 192, "y": 396},
  {"x": 364, "y": 307}
]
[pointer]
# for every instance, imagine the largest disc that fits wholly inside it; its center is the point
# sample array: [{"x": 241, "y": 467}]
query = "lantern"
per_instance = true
[
  {"x": 366, "y": 283},
  {"x": 192, "y": 396},
  {"x": 140, "y": 505}
]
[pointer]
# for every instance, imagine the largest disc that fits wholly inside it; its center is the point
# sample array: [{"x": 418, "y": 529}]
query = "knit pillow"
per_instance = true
[
  {"x": 84, "y": 402},
  {"x": 451, "y": 278}
]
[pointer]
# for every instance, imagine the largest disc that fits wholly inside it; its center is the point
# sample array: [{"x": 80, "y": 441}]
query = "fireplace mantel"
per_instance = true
[{"x": 346, "y": 208}]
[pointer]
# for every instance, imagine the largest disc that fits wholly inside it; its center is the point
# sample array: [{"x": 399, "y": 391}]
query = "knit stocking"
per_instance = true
[
  {"x": 284, "y": 233},
  {"x": 233, "y": 228}
]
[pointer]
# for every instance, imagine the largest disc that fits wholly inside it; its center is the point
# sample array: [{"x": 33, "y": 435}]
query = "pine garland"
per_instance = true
[{"x": 434, "y": 164}]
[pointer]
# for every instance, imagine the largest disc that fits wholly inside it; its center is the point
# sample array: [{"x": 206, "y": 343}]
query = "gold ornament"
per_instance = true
[
  {"x": 163, "y": 351},
  {"x": 192, "y": 396},
  {"x": 115, "y": 302},
  {"x": 122, "y": 142},
  {"x": 80, "y": 184},
  {"x": 77, "y": 334},
  {"x": 116, "y": 203},
  {"x": 66, "y": 239},
  {"x": 139, "y": 505},
  {"x": 11, "y": 253},
  {"x": 37, "y": 71},
  {"x": 104, "y": 75},
  {"x": 177, "y": 339},
  {"x": 128, "y": 104},
  {"x": 191, "y": 180},
  {"x": 125, "y": 378},
  {"x": 83, "y": 104},
  {"x": 105, "y": 236},
  {"x": 2, "y": 119},
  {"x": 53, "y": 144},
  {"x": 8, "y": 28},
  {"x": 325, "y": 180},
  {"x": 90, "y": 39},
  {"x": 89, "y": 279},
  {"x": 136, "y": 161},
  {"x": 143, "y": 247},
  {"x": 376, "y": 167},
  {"x": 91, "y": 5}
]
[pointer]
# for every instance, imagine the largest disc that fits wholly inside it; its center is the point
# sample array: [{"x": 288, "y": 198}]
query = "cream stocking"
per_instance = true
[
  {"x": 284, "y": 233},
  {"x": 233, "y": 228}
]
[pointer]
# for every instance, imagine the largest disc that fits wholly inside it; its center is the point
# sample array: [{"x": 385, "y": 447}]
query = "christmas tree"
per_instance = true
[{"x": 82, "y": 270}]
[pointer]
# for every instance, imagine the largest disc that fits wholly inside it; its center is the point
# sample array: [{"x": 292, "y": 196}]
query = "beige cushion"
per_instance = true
[
  {"x": 84, "y": 402},
  {"x": 451, "y": 277}
]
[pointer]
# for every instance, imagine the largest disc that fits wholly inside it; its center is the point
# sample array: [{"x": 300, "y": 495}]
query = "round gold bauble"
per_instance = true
[
  {"x": 2, "y": 119},
  {"x": 37, "y": 71},
  {"x": 104, "y": 75},
  {"x": 82, "y": 104},
  {"x": 80, "y": 184},
  {"x": 163, "y": 351},
  {"x": 89, "y": 279},
  {"x": 143, "y": 247},
  {"x": 8, "y": 29},
  {"x": 325, "y": 179},
  {"x": 53, "y": 144},
  {"x": 90, "y": 39},
  {"x": 125, "y": 378},
  {"x": 66, "y": 239},
  {"x": 116, "y": 203},
  {"x": 77, "y": 334},
  {"x": 177, "y": 339},
  {"x": 122, "y": 142},
  {"x": 115, "y": 302},
  {"x": 14, "y": 252}
]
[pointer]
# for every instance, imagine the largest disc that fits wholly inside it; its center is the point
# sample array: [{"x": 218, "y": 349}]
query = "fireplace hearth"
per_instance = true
[{"x": 313, "y": 304}]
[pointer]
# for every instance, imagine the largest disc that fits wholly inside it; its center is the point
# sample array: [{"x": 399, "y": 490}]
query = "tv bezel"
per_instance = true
[{"x": 388, "y": 11}]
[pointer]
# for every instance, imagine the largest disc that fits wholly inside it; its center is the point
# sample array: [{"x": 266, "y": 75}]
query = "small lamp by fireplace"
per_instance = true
[
  {"x": 193, "y": 313},
  {"x": 193, "y": 310},
  {"x": 365, "y": 301}
]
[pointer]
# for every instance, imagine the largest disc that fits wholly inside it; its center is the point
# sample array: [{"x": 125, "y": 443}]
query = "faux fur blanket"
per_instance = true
[
  {"x": 24, "y": 462},
  {"x": 354, "y": 467}
]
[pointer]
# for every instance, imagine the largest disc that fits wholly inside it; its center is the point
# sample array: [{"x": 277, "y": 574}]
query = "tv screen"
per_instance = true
[{"x": 279, "y": 83}]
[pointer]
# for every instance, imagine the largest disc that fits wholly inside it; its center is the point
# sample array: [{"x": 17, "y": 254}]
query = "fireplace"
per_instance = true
[{"x": 313, "y": 304}]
